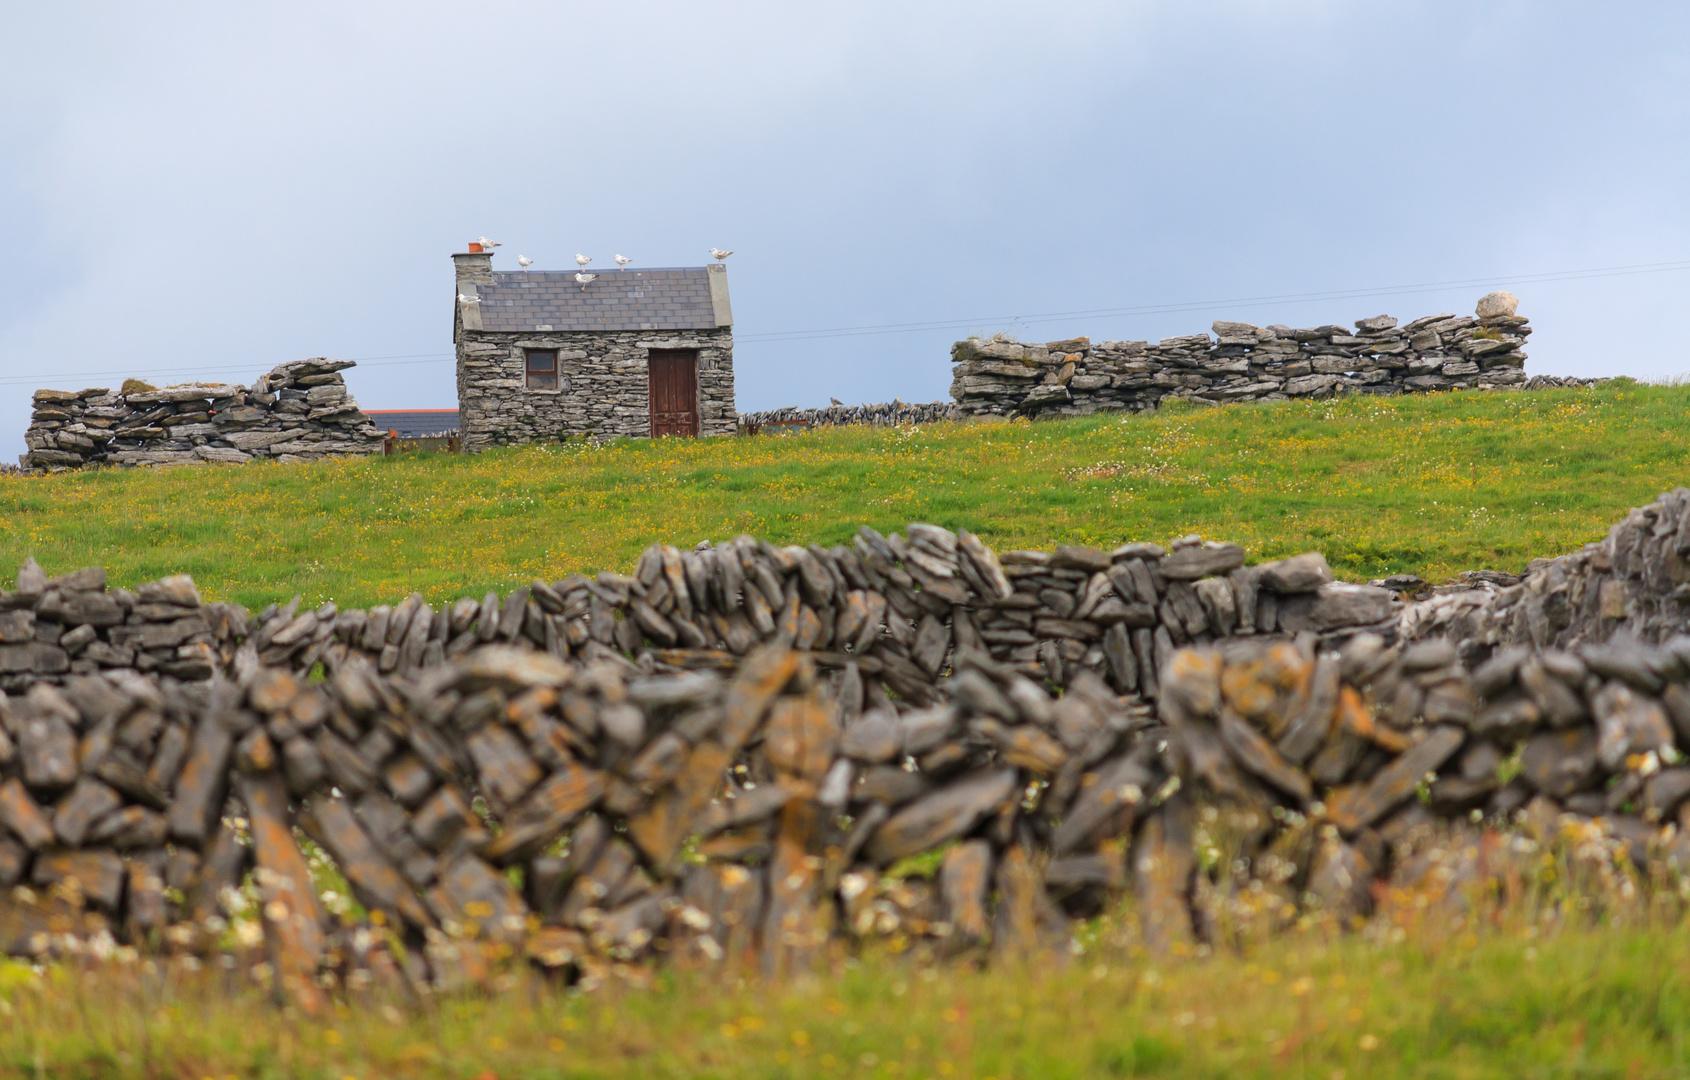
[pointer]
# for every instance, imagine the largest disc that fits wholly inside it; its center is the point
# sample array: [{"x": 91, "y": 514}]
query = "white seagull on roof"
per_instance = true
[
  {"x": 524, "y": 261},
  {"x": 486, "y": 243},
  {"x": 718, "y": 254},
  {"x": 462, "y": 299},
  {"x": 583, "y": 260},
  {"x": 622, "y": 260},
  {"x": 585, "y": 278}
]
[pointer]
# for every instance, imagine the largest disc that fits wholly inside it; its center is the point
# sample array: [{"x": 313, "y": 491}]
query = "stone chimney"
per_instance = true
[{"x": 474, "y": 268}]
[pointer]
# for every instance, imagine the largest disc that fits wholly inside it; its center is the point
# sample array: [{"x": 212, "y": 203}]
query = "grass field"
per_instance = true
[
  {"x": 1510, "y": 1003},
  {"x": 1428, "y": 484}
]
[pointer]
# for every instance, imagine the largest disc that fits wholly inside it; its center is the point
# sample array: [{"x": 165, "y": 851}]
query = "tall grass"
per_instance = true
[{"x": 1485, "y": 1003}]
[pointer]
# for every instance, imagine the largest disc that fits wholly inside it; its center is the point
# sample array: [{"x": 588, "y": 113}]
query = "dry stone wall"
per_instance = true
[
  {"x": 998, "y": 377},
  {"x": 720, "y": 757},
  {"x": 895, "y": 414},
  {"x": 300, "y": 411}
]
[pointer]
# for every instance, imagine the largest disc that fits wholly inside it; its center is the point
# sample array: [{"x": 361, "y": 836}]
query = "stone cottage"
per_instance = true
[{"x": 543, "y": 355}]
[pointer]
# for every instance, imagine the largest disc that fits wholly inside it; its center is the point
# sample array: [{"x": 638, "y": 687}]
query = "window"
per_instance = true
[{"x": 542, "y": 369}]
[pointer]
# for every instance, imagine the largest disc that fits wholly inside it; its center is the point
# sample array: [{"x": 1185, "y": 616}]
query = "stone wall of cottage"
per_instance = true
[
  {"x": 603, "y": 384},
  {"x": 1242, "y": 362}
]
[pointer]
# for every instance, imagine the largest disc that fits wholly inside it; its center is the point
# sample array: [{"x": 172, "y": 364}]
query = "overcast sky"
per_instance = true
[{"x": 203, "y": 191}]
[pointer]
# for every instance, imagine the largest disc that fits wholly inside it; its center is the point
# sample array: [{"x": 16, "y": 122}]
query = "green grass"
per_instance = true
[
  {"x": 1576, "y": 1003},
  {"x": 1429, "y": 484}
]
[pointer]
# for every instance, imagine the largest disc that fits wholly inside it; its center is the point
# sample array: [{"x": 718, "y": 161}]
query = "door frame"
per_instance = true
[{"x": 651, "y": 397}]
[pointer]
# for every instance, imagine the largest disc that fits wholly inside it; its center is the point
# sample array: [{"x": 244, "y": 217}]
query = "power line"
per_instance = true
[
  {"x": 1200, "y": 305},
  {"x": 389, "y": 360},
  {"x": 781, "y": 336}
]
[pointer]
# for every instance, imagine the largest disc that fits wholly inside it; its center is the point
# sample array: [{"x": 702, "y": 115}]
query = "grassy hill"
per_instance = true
[{"x": 1428, "y": 485}]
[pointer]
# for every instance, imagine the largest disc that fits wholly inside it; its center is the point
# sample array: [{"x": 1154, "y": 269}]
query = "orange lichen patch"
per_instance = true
[
  {"x": 1262, "y": 687},
  {"x": 1354, "y": 716},
  {"x": 1193, "y": 678}
]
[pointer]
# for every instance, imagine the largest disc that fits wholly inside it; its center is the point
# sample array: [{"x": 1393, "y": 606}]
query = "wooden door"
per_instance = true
[{"x": 674, "y": 392}]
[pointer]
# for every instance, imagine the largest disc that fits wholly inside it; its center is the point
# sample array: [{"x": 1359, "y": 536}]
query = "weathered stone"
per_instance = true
[
  {"x": 442, "y": 818},
  {"x": 1107, "y": 804},
  {"x": 1251, "y": 750},
  {"x": 1163, "y": 865},
  {"x": 762, "y": 675},
  {"x": 680, "y": 809},
  {"x": 367, "y": 870},
  {"x": 1025, "y": 922},
  {"x": 1202, "y": 560},
  {"x": 480, "y": 901},
  {"x": 85, "y": 804},
  {"x": 1024, "y": 746},
  {"x": 1560, "y": 763},
  {"x": 505, "y": 770},
  {"x": 293, "y": 920},
  {"x": 47, "y": 748},
  {"x": 797, "y": 922},
  {"x": 199, "y": 790},
  {"x": 1497, "y": 304},
  {"x": 1627, "y": 724},
  {"x": 1298, "y": 574},
  {"x": 1663, "y": 792},
  {"x": 20, "y": 814},
  {"x": 890, "y": 785},
  {"x": 1335, "y": 606},
  {"x": 945, "y": 814},
  {"x": 98, "y": 875},
  {"x": 1309, "y": 726},
  {"x": 873, "y": 738},
  {"x": 800, "y": 738},
  {"x": 1341, "y": 878},
  {"x": 132, "y": 828},
  {"x": 964, "y": 876},
  {"x": 546, "y": 813},
  {"x": 1395, "y": 782},
  {"x": 1560, "y": 706}
]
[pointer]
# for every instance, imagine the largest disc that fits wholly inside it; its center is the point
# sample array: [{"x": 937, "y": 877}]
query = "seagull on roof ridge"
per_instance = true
[
  {"x": 524, "y": 261},
  {"x": 585, "y": 278},
  {"x": 622, "y": 260},
  {"x": 835, "y": 401},
  {"x": 462, "y": 299},
  {"x": 486, "y": 243},
  {"x": 718, "y": 254},
  {"x": 583, "y": 260}
]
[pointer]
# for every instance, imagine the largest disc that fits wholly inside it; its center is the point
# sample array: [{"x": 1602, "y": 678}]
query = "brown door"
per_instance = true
[{"x": 674, "y": 392}]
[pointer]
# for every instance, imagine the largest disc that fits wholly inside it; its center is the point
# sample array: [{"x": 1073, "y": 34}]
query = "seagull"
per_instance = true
[
  {"x": 585, "y": 278},
  {"x": 583, "y": 260},
  {"x": 836, "y": 401},
  {"x": 486, "y": 243},
  {"x": 524, "y": 261},
  {"x": 623, "y": 260},
  {"x": 718, "y": 254},
  {"x": 462, "y": 299}
]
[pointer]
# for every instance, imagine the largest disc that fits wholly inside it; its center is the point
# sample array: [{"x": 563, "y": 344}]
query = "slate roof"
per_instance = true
[
  {"x": 414, "y": 423},
  {"x": 666, "y": 299}
]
